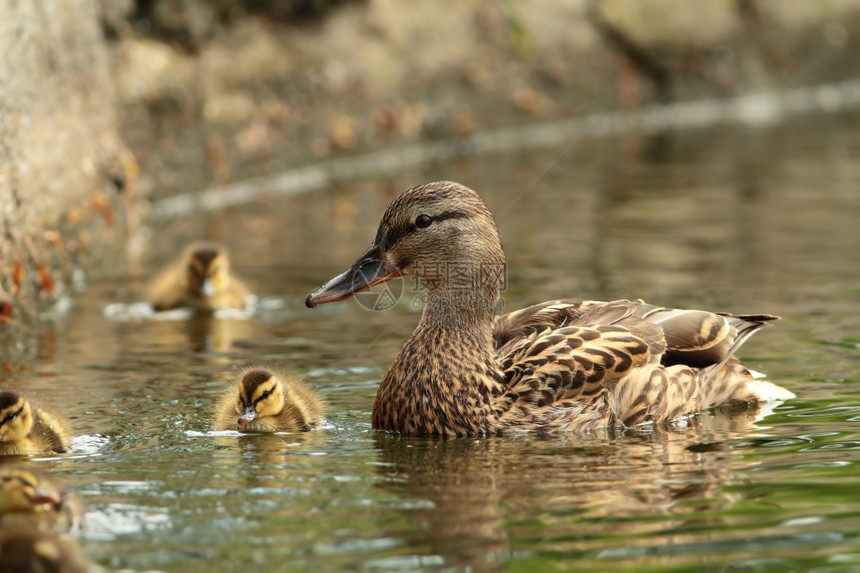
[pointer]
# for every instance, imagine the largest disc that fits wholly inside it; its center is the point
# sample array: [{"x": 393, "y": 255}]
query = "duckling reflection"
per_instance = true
[
  {"x": 471, "y": 487},
  {"x": 200, "y": 279},
  {"x": 41, "y": 552},
  {"x": 268, "y": 401},
  {"x": 206, "y": 333},
  {"x": 28, "y": 429},
  {"x": 266, "y": 450},
  {"x": 269, "y": 467},
  {"x": 29, "y": 500}
]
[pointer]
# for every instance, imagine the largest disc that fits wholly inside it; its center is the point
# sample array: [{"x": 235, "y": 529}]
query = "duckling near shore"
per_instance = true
[
  {"x": 28, "y": 429},
  {"x": 267, "y": 401},
  {"x": 200, "y": 279},
  {"x": 563, "y": 365}
]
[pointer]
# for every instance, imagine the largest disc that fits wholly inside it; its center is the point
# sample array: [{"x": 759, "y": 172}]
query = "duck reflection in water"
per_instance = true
[
  {"x": 460, "y": 494},
  {"x": 209, "y": 333},
  {"x": 271, "y": 469}
]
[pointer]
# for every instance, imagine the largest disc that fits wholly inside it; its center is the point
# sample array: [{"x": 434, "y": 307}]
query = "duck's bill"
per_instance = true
[
  {"x": 45, "y": 497},
  {"x": 248, "y": 415},
  {"x": 369, "y": 270},
  {"x": 207, "y": 289}
]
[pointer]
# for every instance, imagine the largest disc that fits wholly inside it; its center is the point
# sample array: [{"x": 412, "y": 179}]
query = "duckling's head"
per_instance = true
[
  {"x": 441, "y": 232},
  {"x": 207, "y": 270},
  {"x": 16, "y": 416},
  {"x": 22, "y": 491},
  {"x": 261, "y": 394}
]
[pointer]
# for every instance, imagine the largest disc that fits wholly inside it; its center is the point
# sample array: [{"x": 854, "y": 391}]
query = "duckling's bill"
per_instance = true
[
  {"x": 248, "y": 415},
  {"x": 206, "y": 290},
  {"x": 371, "y": 269},
  {"x": 45, "y": 496}
]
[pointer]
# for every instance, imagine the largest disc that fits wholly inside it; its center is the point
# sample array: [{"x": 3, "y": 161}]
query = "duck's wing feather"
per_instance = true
[
  {"x": 551, "y": 314},
  {"x": 566, "y": 372},
  {"x": 701, "y": 338},
  {"x": 624, "y": 361},
  {"x": 693, "y": 337}
]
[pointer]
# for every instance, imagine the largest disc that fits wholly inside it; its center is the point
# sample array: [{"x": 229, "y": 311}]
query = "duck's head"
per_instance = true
[
  {"x": 207, "y": 270},
  {"x": 22, "y": 491},
  {"x": 441, "y": 232},
  {"x": 16, "y": 416},
  {"x": 261, "y": 394}
]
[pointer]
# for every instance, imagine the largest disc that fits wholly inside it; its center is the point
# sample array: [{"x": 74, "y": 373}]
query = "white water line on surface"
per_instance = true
[{"x": 762, "y": 108}]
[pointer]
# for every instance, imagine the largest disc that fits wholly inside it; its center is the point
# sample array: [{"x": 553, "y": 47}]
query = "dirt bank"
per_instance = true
[
  {"x": 217, "y": 92},
  {"x": 59, "y": 150}
]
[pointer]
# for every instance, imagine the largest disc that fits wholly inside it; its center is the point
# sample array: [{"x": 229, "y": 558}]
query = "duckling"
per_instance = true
[
  {"x": 31, "y": 501},
  {"x": 267, "y": 401},
  {"x": 564, "y": 365},
  {"x": 27, "y": 429},
  {"x": 31, "y": 551},
  {"x": 201, "y": 279}
]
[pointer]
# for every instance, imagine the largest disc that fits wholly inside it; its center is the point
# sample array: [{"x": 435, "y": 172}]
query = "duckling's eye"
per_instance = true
[
  {"x": 10, "y": 416},
  {"x": 423, "y": 221},
  {"x": 265, "y": 394}
]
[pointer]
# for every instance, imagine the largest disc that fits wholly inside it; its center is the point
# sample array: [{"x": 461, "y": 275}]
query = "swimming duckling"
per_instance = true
[
  {"x": 265, "y": 401},
  {"x": 201, "y": 279},
  {"x": 564, "y": 365},
  {"x": 27, "y": 429},
  {"x": 31, "y": 501},
  {"x": 31, "y": 551}
]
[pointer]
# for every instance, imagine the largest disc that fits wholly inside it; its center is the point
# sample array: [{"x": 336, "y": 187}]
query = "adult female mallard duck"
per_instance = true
[
  {"x": 27, "y": 429},
  {"x": 267, "y": 401},
  {"x": 201, "y": 279},
  {"x": 562, "y": 365},
  {"x": 31, "y": 501}
]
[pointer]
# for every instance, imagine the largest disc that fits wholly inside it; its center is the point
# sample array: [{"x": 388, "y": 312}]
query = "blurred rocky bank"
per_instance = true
[{"x": 107, "y": 105}]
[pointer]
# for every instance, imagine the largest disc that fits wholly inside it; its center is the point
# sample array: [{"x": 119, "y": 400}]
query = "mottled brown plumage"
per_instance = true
[
  {"x": 267, "y": 401},
  {"x": 562, "y": 365},
  {"x": 32, "y": 551},
  {"x": 201, "y": 279},
  {"x": 32, "y": 501},
  {"x": 27, "y": 429}
]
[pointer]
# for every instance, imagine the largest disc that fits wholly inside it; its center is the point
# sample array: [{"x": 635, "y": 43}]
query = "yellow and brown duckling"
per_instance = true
[
  {"x": 268, "y": 401},
  {"x": 32, "y": 551},
  {"x": 31, "y": 501},
  {"x": 201, "y": 279},
  {"x": 564, "y": 365},
  {"x": 27, "y": 429}
]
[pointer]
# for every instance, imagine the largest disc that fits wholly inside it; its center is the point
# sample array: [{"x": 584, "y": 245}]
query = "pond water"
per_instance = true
[{"x": 762, "y": 219}]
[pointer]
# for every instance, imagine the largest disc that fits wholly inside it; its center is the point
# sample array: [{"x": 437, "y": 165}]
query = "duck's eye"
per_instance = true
[
  {"x": 10, "y": 416},
  {"x": 265, "y": 394},
  {"x": 423, "y": 221}
]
